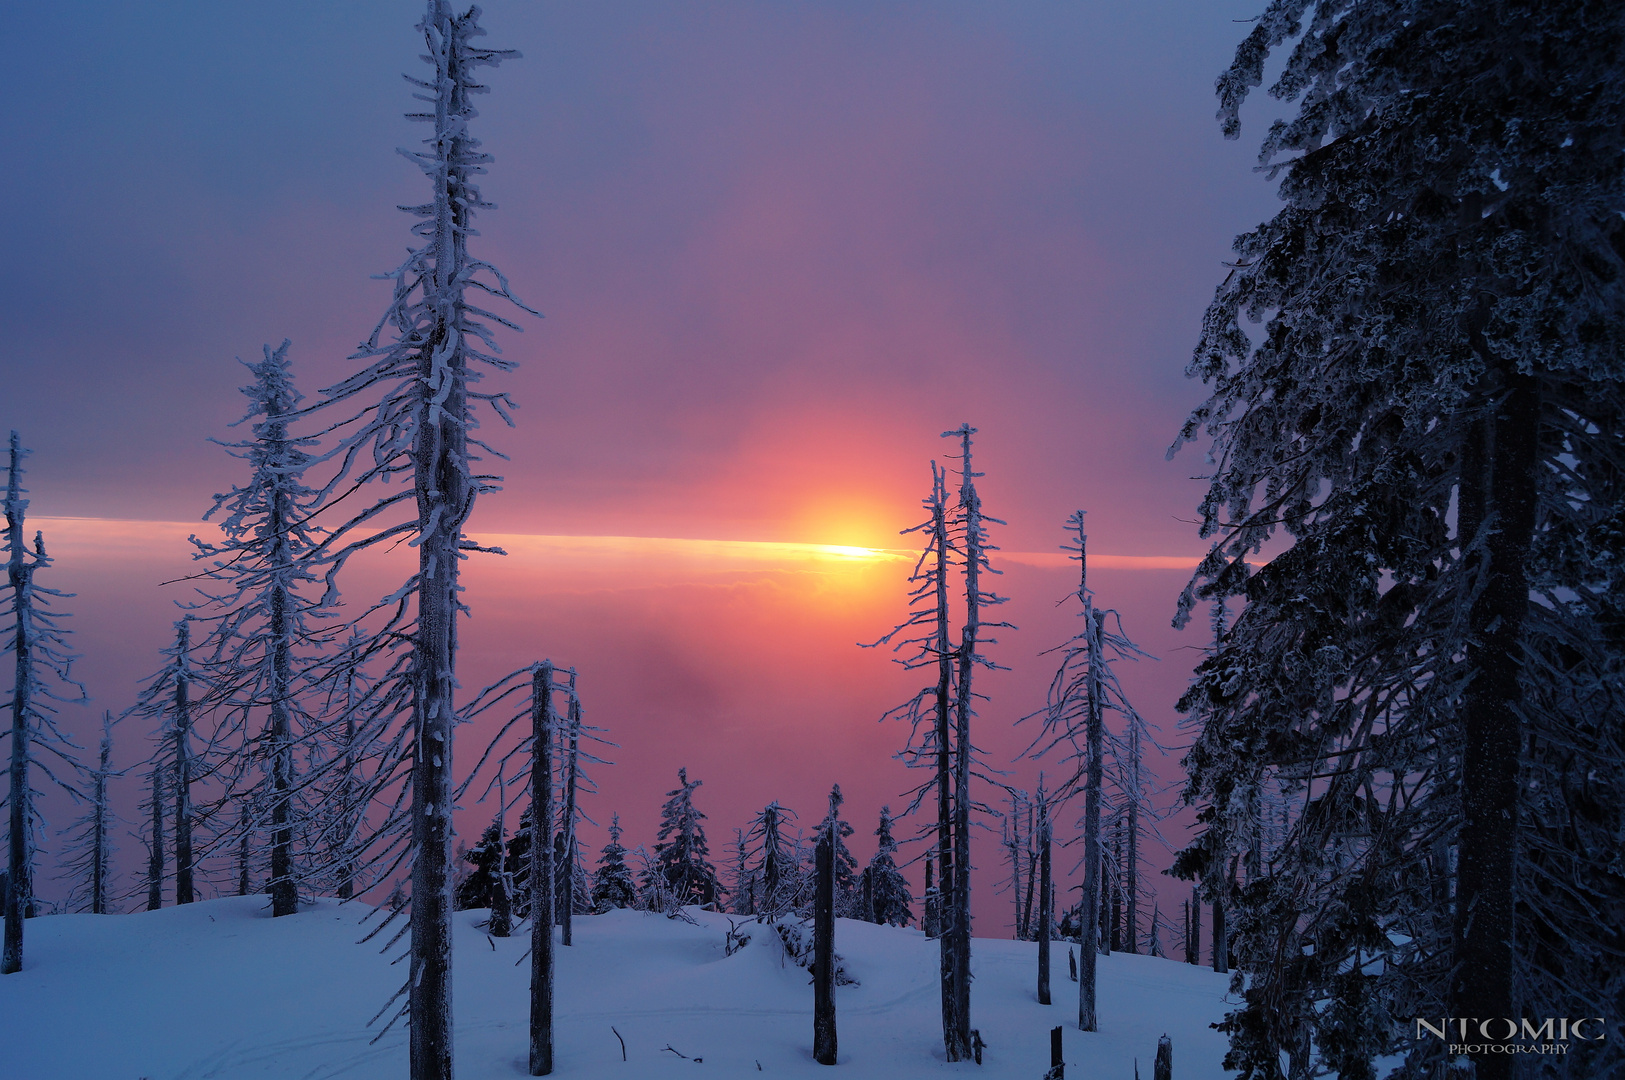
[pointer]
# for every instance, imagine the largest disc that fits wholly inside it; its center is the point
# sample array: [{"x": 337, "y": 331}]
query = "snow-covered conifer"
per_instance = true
[
  {"x": 681, "y": 850},
  {"x": 774, "y": 870},
  {"x": 612, "y": 884},
  {"x": 888, "y": 889}
]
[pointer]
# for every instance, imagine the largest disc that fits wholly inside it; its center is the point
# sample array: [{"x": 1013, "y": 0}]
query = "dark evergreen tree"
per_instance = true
[
  {"x": 478, "y": 888},
  {"x": 681, "y": 850},
  {"x": 90, "y": 849},
  {"x": 612, "y": 884},
  {"x": 888, "y": 889},
  {"x": 1433, "y": 413}
]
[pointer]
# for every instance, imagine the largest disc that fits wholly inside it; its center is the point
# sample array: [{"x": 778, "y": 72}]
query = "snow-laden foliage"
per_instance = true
[
  {"x": 682, "y": 854},
  {"x": 1432, "y": 414},
  {"x": 612, "y": 883},
  {"x": 889, "y": 901},
  {"x": 41, "y": 681}
]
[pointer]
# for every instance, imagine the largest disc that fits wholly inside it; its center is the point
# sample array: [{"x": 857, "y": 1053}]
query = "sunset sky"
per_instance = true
[{"x": 779, "y": 247}]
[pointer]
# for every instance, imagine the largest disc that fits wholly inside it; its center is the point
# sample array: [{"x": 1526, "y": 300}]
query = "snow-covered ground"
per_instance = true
[{"x": 220, "y": 989}]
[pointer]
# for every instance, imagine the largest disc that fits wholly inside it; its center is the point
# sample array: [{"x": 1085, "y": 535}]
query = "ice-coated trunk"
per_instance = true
[
  {"x": 568, "y": 826},
  {"x": 541, "y": 870},
  {"x": 444, "y": 495},
  {"x": 1089, "y": 916},
  {"x": 155, "y": 852},
  {"x": 19, "y": 891},
  {"x": 960, "y": 926},
  {"x": 284, "y": 889},
  {"x": 184, "y": 892},
  {"x": 1046, "y": 901},
  {"x": 824, "y": 1041},
  {"x": 1131, "y": 883},
  {"x": 957, "y": 1048},
  {"x": 1194, "y": 951},
  {"x": 1498, "y": 506},
  {"x": 244, "y": 827},
  {"x": 347, "y": 826},
  {"x": 99, "y": 821}
]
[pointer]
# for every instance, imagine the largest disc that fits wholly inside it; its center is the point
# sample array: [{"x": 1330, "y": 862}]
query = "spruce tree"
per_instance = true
[
  {"x": 1431, "y": 412},
  {"x": 612, "y": 884},
  {"x": 90, "y": 849},
  {"x": 681, "y": 850}
]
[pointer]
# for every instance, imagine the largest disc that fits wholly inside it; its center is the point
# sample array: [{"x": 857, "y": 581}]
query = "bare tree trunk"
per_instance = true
[
  {"x": 1089, "y": 916},
  {"x": 1132, "y": 885},
  {"x": 284, "y": 889},
  {"x": 444, "y": 498},
  {"x": 568, "y": 825},
  {"x": 346, "y": 838},
  {"x": 824, "y": 1041},
  {"x": 947, "y": 942},
  {"x": 541, "y": 870},
  {"x": 1046, "y": 899},
  {"x": 19, "y": 876},
  {"x": 1116, "y": 908},
  {"x": 99, "y": 822},
  {"x": 243, "y": 884},
  {"x": 1221, "y": 938},
  {"x": 1195, "y": 953},
  {"x": 1504, "y": 460},
  {"x": 155, "y": 851},
  {"x": 184, "y": 892},
  {"x": 960, "y": 929}
]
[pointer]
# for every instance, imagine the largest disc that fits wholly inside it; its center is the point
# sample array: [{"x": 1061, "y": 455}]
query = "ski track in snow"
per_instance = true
[{"x": 220, "y": 991}]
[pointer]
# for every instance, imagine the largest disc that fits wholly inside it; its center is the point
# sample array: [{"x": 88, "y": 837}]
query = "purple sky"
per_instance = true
[{"x": 780, "y": 246}]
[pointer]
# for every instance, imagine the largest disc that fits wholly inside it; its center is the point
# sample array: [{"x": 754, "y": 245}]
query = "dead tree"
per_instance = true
[
  {"x": 1046, "y": 892},
  {"x": 155, "y": 839},
  {"x": 543, "y": 726},
  {"x": 824, "y": 1039}
]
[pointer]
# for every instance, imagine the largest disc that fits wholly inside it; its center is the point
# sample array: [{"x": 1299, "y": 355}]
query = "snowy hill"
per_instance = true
[{"x": 219, "y": 989}]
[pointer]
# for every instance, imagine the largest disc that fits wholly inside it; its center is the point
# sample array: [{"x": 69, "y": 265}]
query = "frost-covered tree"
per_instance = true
[
  {"x": 823, "y": 967},
  {"x": 774, "y": 869},
  {"x": 1432, "y": 413},
  {"x": 418, "y": 391},
  {"x": 939, "y": 715},
  {"x": 89, "y": 852},
  {"x": 41, "y": 678},
  {"x": 1083, "y": 690},
  {"x": 155, "y": 838},
  {"x": 478, "y": 887},
  {"x": 889, "y": 898},
  {"x": 612, "y": 884},
  {"x": 168, "y": 700},
  {"x": 258, "y": 614},
  {"x": 681, "y": 851}
]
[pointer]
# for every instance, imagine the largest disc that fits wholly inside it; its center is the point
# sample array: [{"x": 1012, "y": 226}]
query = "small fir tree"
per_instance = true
[
  {"x": 612, "y": 884},
  {"x": 681, "y": 850}
]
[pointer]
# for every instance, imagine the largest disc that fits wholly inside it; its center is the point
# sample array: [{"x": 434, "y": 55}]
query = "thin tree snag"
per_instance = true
[{"x": 541, "y": 870}]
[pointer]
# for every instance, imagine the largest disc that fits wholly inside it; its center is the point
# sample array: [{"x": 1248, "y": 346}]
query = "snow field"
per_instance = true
[{"x": 218, "y": 989}]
